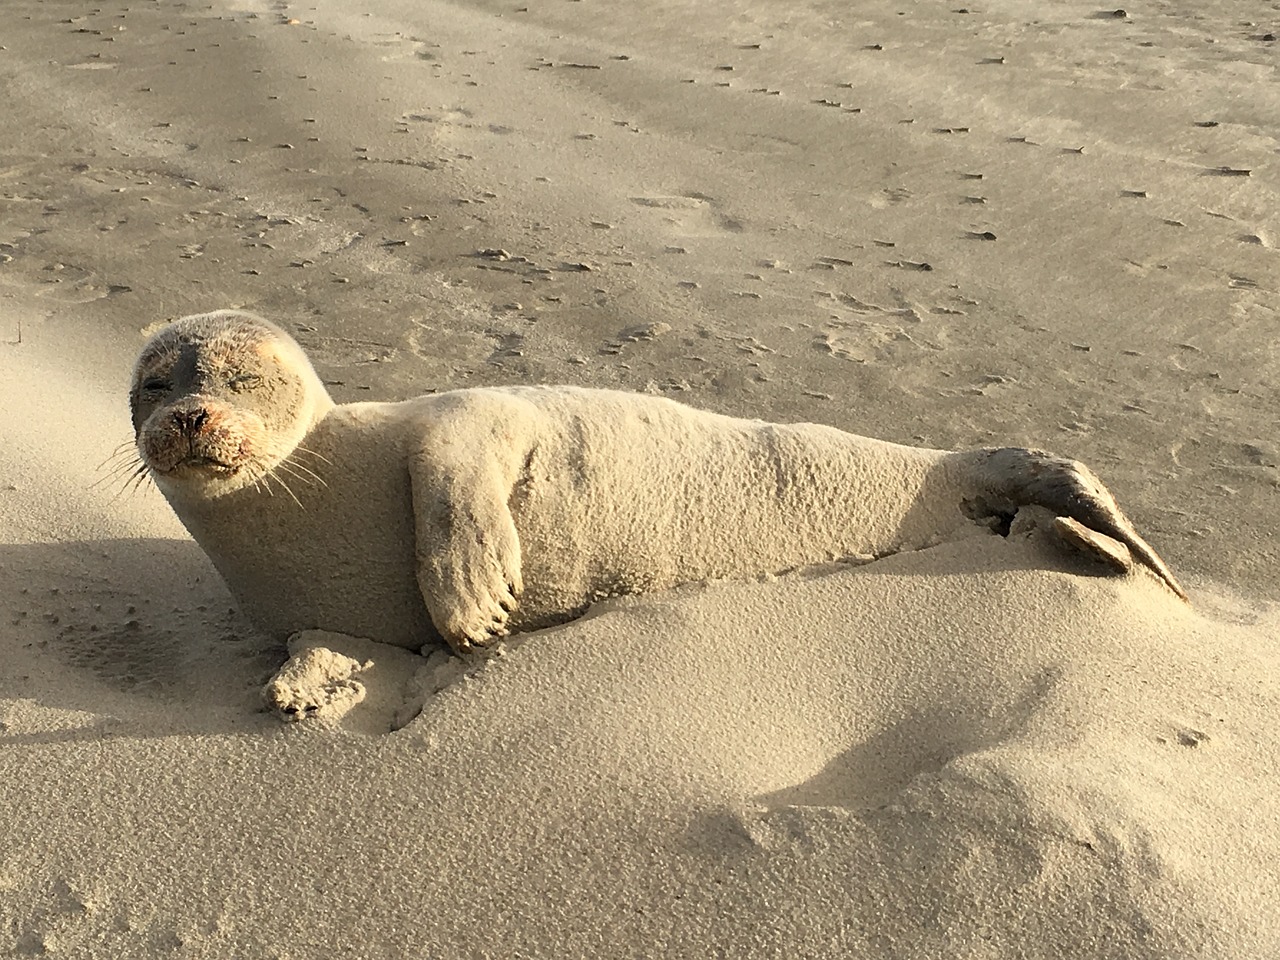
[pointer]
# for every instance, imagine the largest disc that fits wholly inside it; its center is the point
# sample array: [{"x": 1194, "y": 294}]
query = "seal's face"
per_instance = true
[{"x": 220, "y": 401}]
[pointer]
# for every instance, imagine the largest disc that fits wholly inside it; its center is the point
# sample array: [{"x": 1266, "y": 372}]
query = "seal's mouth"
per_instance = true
[{"x": 201, "y": 464}]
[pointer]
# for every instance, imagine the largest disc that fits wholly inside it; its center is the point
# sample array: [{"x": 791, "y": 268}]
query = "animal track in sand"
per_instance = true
[
  {"x": 863, "y": 341},
  {"x": 872, "y": 335},
  {"x": 695, "y": 214},
  {"x": 507, "y": 346},
  {"x": 890, "y": 196},
  {"x": 65, "y": 283},
  {"x": 342, "y": 352},
  {"x": 59, "y": 916},
  {"x": 409, "y": 48},
  {"x": 644, "y": 333},
  {"x": 118, "y": 636}
]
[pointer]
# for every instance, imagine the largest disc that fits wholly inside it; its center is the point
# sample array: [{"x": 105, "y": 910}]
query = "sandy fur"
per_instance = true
[{"x": 469, "y": 514}]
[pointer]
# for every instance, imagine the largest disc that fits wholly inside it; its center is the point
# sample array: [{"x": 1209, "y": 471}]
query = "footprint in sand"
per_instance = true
[
  {"x": 68, "y": 284},
  {"x": 864, "y": 341},
  {"x": 890, "y": 196},
  {"x": 872, "y": 335},
  {"x": 693, "y": 214},
  {"x": 409, "y": 48}
]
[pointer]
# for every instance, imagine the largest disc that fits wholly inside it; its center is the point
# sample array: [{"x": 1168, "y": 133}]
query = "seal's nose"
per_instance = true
[{"x": 190, "y": 421}]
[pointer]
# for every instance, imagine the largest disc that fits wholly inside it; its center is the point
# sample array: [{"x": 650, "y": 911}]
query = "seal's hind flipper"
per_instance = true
[
  {"x": 1110, "y": 551},
  {"x": 1087, "y": 512}
]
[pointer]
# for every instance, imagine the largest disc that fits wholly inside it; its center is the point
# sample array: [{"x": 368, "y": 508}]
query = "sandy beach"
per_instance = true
[{"x": 1018, "y": 223}]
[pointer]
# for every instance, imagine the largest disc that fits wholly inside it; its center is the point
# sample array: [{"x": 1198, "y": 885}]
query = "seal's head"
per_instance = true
[{"x": 220, "y": 400}]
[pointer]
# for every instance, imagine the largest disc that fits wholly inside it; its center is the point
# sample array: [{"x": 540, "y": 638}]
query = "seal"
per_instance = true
[{"x": 469, "y": 514}]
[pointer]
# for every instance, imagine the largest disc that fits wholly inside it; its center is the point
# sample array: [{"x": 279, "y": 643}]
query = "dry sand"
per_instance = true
[{"x": 1015, "y": 222}]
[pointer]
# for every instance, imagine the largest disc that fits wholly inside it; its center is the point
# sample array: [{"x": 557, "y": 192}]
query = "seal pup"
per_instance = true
[{"x": 468, "y": 514}]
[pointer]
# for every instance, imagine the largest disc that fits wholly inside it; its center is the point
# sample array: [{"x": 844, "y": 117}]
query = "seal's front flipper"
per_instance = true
[
  {"x": 315, "y": 683},
  {"x": 349, "y": 682},
  {"x": 468, "y": 550},
  {"x": 468, "y": 567}
]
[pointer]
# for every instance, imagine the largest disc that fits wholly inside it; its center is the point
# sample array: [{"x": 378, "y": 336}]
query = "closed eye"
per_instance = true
[
  {"x": 244, "y": 381},
  {"x": 156, "y": 385}
]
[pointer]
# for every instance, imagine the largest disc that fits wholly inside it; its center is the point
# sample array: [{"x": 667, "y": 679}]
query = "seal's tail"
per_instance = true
[{"x": 1018, "y": 477}]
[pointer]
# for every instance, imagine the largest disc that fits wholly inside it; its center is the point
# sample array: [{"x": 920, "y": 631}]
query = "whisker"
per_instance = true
[
  {"x": 116, "y": 461},
  {"x": 123, "y": 452},
  {"x": 284, "y": 487},
  {"x": 118, "y": 471},
  {"x": 288, "y": 490},
  {"x": 122, "y": 457},
  {"x": 133, "y": 483},
  {"x": 282, "y": 469},
  {"x": 125, "y": 466},
  {"x": 321, "y": 457},
  {"x": 301, "y": 472},
  {"x": 264, "y": 475},
  {"x": 260, "y": 482}
]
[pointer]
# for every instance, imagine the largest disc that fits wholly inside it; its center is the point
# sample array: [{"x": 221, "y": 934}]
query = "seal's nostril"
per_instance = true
[{"x": 189, "y": 421}]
